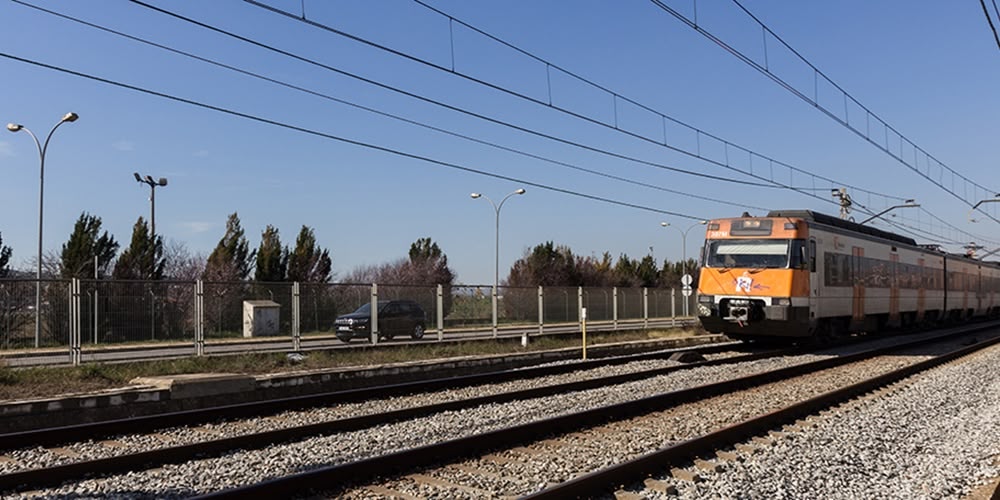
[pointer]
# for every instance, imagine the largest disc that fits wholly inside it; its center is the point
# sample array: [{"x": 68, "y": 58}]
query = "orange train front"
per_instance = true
[{"x": 803, "y": 274}]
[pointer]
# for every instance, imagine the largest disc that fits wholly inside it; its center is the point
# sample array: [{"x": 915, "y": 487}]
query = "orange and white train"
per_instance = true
[{"x": 797, "y": 273}]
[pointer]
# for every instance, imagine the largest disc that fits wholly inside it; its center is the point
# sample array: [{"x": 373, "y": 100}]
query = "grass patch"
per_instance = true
[{"x": 39, "y": 382}]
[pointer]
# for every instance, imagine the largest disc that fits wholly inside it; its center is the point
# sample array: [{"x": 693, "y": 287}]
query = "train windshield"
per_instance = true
[{"x": 754, "y": 254}]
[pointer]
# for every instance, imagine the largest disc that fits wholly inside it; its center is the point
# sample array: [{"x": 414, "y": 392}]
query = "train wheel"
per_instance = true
[{"x": 822, "y": 333}]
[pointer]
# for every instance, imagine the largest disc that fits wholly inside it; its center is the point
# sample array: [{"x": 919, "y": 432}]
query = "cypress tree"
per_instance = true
[
  {"x": 272, "y": 259},
  {"x": 230, "y": 260},
  {"x": 308, "y": 263},
  {"x": 86, "y": 242}
]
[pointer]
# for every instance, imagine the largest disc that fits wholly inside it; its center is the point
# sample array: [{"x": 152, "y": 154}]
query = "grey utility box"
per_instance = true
[{"x": 260, "y": 318}]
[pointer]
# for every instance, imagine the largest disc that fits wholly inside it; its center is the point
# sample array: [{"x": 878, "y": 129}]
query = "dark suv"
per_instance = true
[{"x": 395, "y": 317}]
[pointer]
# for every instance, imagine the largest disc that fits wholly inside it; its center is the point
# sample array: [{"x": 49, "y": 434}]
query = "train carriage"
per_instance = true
[{"x": 803, "y": 274}]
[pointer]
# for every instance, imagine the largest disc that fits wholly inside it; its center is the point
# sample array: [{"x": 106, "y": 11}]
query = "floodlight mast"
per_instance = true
[{"x": 152, "y": 205}]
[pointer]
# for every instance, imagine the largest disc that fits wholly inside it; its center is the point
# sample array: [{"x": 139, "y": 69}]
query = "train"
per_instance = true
[{"x": 797, "y": 275}]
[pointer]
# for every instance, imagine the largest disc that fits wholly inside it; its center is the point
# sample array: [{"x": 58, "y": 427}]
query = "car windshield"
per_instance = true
[
  {"x": 364, "y": 309},
  {"x": 754, "y": 254}
]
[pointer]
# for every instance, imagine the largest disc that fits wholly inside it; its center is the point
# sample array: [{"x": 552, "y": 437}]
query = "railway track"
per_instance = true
[
  {"x": 545, "y": 455},
  {"x": 47, "y": 436},
  {"x": 49, "y": 456},
  {"x": 360, "y": 449}
]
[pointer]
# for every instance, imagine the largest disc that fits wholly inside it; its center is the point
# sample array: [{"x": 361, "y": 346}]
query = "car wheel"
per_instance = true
[{"x": 418, "y": 332}]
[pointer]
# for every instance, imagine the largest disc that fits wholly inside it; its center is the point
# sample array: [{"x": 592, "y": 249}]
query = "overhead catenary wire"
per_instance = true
[
  {"x": 414, "y": 156},
  {"x": 382, "y": 85},
  {"x": 401, "y": 118},
  {"x": 464, "y": 111},
  {"x": 547, "y": 103},
  {"x": 989, "y": 19},
  {"x": 763, "y": 69},
  {"x": 808, "y": 192},
  {"x": 342, "y": 139}
]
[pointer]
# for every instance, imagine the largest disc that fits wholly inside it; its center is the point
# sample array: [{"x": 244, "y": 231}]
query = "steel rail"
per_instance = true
[
  {"x": 35, "y": 478},
  {"x": 94, "y": 430},
  {"x": 634, "y": 470},
  {"x": 336, "y": 476}
]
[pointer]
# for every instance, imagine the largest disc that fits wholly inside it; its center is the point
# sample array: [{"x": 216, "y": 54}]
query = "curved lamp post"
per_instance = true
[
  {"x": 496, "y": 268},
  {"x": 42, "y": 148},
  {"x": 906, "y": 204},
  {"x": 980, "y": 202},
  {"x": 684, "y": 250}
]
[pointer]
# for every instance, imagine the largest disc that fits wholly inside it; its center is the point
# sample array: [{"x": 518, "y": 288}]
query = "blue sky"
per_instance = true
[{"x": 931, "y": 70}]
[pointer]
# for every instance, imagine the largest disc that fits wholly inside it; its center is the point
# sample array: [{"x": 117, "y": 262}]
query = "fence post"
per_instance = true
[
  {"x": 541, "y": 310},
  {"x": 97, "y": 301},
  {"x": 495, "y": 298},
  {"x": 440, "y": 312},
  {"x": 645, "y": 307},
  {"x": 614, "y": 306},
  {"x": 199, "y": 320},
  {"x": 296, "y": 318},
  {"x": 374, "y": 313},
  {"x": 74, "y": 322},
  {"x": 673, "y": 307},
  {"x": 579, "y": 306}
]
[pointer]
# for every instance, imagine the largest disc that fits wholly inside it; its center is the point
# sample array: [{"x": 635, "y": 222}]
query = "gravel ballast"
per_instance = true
[
  {"x": 251, "y": 466},
  {"x": 934, "y": 436}
]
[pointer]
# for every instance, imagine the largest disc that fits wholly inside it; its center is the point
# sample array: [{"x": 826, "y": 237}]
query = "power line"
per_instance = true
[
  {"x": 845, "y": 121},
  {"x": 616, "y": 96},
  {"x": 381, "y": 148},
  {"x": 990, "y": 20},
  {"x": 458, "y": 109},
  {"x": 345, "y": 140},
  {"x": 393, "y": 116}
]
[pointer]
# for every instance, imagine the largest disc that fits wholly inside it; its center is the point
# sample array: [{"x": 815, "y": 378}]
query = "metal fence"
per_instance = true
[{"x": 84, "y": 314}]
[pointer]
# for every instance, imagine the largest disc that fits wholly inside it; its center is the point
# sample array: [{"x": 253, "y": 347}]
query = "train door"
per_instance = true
[
  {"x": 858, "y": 296},
  {"x": 921, "y": 289},
  {"x": 894, "y": 280},
  {"x": 979, "y": 289},
  {"x": 815, "y": 282}
]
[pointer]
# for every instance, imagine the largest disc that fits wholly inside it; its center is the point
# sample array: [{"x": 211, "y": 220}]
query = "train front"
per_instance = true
[{"x": 754, "y": 281}]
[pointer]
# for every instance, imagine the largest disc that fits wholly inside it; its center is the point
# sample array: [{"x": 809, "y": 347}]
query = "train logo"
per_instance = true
[{"x": 744, "y": 283}]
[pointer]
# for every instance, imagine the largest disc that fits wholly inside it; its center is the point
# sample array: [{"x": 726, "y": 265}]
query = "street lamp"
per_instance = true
[
  {"x": 987, "y": 254},
  {"x": 684, "y": 240},
  {"x": 152, "y": 200},
  {"x": 42, "y": 148},
  {"x": 684, "y": 249},
  {"x": 980, "y": 202},
  {"x": 906, "y": 204},
  {"x": 496, "y": 268}
]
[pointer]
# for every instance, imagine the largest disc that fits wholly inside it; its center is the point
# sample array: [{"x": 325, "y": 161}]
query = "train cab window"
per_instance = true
[{"x": 749, "y": 253}]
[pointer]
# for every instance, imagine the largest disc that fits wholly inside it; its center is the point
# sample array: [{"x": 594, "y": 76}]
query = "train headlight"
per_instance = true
[
  {"x": 704, "y": 310},
  {"x": 783, "y": 302}
]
